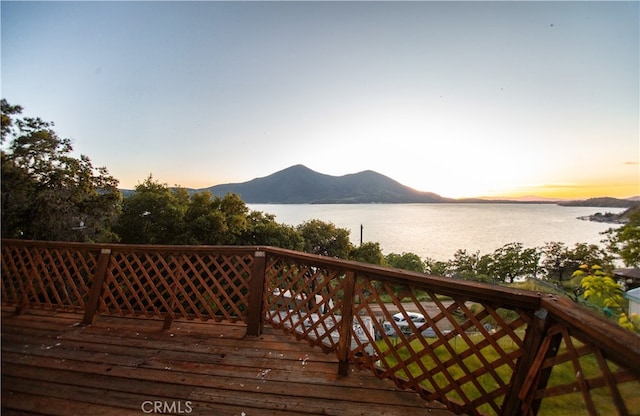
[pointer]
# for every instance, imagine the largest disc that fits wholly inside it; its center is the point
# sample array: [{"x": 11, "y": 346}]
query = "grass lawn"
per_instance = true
[{"x": 441, "y": 355}]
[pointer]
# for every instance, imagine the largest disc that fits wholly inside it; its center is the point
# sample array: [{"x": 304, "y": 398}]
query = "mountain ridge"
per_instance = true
[{"x": 298, "y": 184}]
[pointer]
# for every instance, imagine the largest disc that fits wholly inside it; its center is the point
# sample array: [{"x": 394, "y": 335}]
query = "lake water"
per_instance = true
[{"x": 437, "y": 231}]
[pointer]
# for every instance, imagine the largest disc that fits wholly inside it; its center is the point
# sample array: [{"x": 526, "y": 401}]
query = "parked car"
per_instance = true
[
  {"x": 402, "y": 323},
  {"x": 415, "y": 317}
]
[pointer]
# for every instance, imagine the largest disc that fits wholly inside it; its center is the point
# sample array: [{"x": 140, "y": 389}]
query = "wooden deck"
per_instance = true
[{"x": 52, "y": 365}]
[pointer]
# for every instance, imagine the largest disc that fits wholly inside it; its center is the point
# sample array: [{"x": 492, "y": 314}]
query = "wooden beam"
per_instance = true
[
  {"x": 256, "y": 295},
  {"x": 91, "y": 306},
  {"x": 522, "y": 384},
  {"x": 346, "y": 323}
]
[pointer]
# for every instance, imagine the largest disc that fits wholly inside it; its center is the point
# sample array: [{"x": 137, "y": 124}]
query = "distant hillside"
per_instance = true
[
  {"x": 301, "y": 185},
  {"x": 605, "y": 202},
  {"x": 609, "y": 217}
]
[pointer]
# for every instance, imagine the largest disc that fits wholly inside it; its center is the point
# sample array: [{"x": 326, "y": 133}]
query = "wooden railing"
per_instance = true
[{"x": 479, "y": 349}]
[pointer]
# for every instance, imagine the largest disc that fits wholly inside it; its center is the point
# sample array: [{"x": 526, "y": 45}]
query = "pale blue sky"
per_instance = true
[{"x": 458, "y": 98}]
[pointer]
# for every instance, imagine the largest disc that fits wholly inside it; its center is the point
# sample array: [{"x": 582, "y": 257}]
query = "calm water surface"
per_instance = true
[{"x": 437, "y": 231}]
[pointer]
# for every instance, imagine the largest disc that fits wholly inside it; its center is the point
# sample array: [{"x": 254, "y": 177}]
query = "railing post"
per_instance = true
[
  {"x": 346, "y": 323},
  {"x": 536, "y": 348},
  {"x": 91, "y": 306},
  {"x": 168, "y": 320},
  {"x": 256, "y": 295},
  {"x": 24, "y": 297},
  {"x": 177, "y": 276}
]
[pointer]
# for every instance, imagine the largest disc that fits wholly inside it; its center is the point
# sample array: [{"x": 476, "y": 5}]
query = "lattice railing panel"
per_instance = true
[
  {"x": 305, "y": 301},
  {"x": 452, "y": 350},
  {"x": 582, "y": 381},
  {"x": 44, "y": 277},
  {"x": 192, "y": 285},
  {"x": 479, "y": 350}
]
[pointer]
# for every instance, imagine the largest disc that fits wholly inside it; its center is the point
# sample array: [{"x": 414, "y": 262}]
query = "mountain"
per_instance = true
[{"x": 301, "y": 185}]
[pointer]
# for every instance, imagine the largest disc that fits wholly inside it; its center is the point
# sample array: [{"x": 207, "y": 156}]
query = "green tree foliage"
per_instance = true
[
  {"x": 325, "y": 239},
  {"x": 406, "y": 261},
  {"x": 512, "y": 261},
  {"x": 464, "y": 265},
  {"x": 368, "y": 252},
  {"x": 558, "y": 262},
  {"x": 583, "y": 253},
  {"x": 625, "y": 241},
  {"x": 262, "y": 229},
  {"x": 235, "y": 214},
  {"x": 204, "y": 223},
  {"x": 154, "y": 214},
  {"x": 600, "y": 289},
  {"x": 8, "y": 112},
  {"x": 436, "y": 267},
  {"x": 47, "y": 194},
  {"x": 157, "y": 214}
]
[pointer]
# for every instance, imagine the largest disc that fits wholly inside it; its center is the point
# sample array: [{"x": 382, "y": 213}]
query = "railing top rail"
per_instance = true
[{"x": 135, "y": 247}]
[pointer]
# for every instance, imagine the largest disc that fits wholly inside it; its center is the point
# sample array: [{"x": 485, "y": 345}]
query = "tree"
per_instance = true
[
  {"x": 325, "y": 238},
  {"x": 235, "y": 212},
  {"x": 204, "y": 223},
  {"x": 262, "y": 229},
  {"x": 437, "y": 267},
  {"x": 559, "y": 262},
  {"x": 464, "y": 265},
  {"x": 484, "y": 271},
  {"x": 8, "y": 111},
  {"x": 406, "y": 261},
  {"x": 625, "y": 241},
  {"x": 513, "y": 260},
  {"x": 46, "y": 193},
  {"x": 583, "y": 253},
  {"x": 601, "y": 289},
  {"x": 214, "y": 220},
  {"x": 555, "y": 258},
  {"x": 152, "y": 215},
  {"x": 368, "y": 252}
]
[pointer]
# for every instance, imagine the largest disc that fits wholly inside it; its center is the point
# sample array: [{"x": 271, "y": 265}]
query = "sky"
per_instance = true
[{"x": 463, "y": 99}]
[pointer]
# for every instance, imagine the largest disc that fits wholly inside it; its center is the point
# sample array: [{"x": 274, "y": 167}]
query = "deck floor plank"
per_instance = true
[{"x": 51, "y": 365}]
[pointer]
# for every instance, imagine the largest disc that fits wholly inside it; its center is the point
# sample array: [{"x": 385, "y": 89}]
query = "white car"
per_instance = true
[
  {"x": 415, "y": 317},
  {"x": 401, "y": 322}
]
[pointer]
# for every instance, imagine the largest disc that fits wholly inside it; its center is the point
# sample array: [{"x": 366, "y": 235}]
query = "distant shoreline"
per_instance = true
[
  {"x": 604, "y": 202},
  {"x": 611, "y": 218}
]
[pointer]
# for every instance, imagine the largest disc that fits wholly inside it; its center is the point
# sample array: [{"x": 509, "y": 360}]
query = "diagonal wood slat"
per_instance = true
[
  {"x": 304, "y": 300},
  {"x": 173, "y": 284},
  {"x": 49, "y": 278}
]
